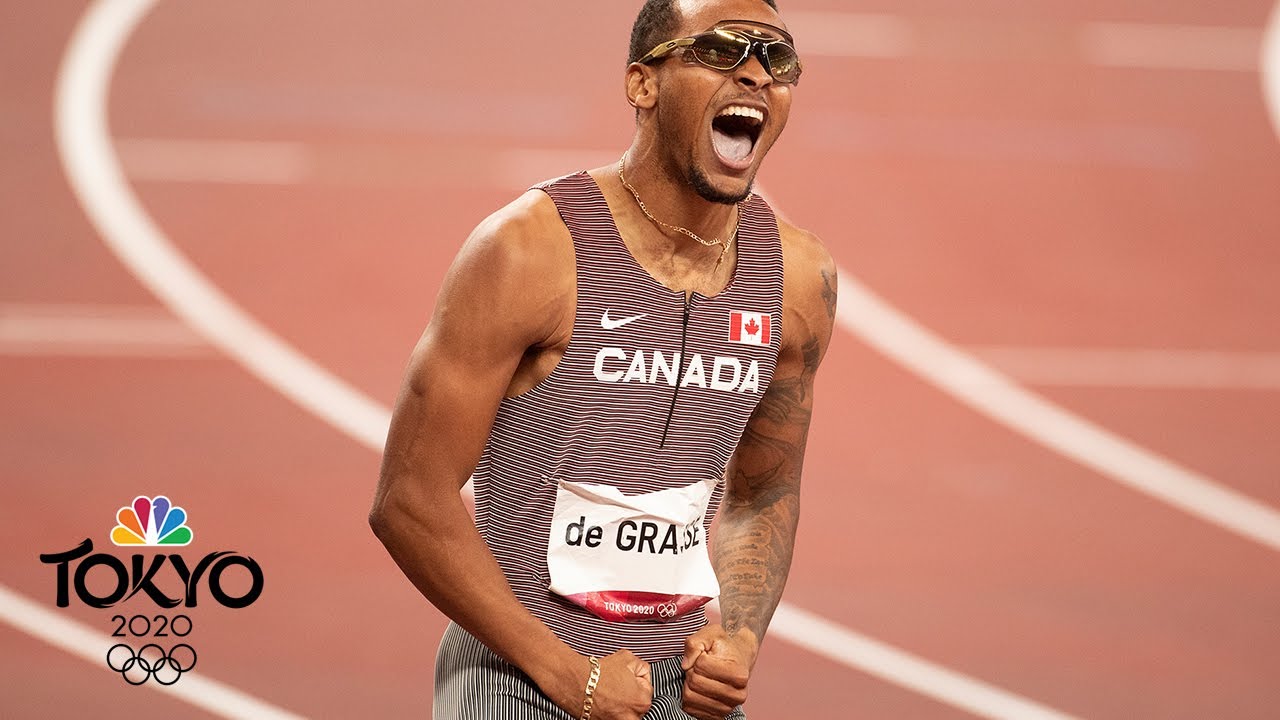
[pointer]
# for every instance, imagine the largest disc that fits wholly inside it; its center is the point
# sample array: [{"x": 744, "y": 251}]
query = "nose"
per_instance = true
[{"x": 752, "y": 73}]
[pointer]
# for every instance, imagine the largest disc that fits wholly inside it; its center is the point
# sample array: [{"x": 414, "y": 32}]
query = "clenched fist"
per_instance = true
[
  {"x": 717, "y": 666},
  {"x": 625, "y": 689}
]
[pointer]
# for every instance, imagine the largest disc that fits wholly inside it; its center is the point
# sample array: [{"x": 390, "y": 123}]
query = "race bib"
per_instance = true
[{"x": 640, "y": 557}]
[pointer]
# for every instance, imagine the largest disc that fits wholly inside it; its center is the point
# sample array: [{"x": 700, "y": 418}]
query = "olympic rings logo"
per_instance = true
[
  {"x": 151, "y": 661},
  {"x": 667, "y": 610}
]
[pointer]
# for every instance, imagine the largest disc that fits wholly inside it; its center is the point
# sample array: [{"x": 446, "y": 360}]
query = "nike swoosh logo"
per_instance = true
[{"x": 608, "y": 324}]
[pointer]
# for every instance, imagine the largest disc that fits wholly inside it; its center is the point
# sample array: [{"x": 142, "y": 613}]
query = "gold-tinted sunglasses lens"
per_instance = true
[
  {"x": 784, "y": 64},
  {"x": 722, "y": 52}
]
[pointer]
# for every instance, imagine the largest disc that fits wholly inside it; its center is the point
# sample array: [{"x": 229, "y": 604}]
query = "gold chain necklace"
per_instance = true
[{"x": 724, "y": 244}]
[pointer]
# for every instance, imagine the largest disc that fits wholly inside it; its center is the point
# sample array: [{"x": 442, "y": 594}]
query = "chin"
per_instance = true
[{"x": 709, "y": 192}]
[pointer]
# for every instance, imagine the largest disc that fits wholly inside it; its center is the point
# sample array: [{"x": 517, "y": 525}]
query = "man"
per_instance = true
[{"x": 611, "y": 355}]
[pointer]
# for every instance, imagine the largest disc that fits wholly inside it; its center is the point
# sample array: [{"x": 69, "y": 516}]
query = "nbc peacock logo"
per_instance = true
[{"x": 151, "y": 521}]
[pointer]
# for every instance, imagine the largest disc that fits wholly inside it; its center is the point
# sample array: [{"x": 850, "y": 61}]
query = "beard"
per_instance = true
[
  {"x": 694, "y": 175},
  {"x": 702, "y": 185}
]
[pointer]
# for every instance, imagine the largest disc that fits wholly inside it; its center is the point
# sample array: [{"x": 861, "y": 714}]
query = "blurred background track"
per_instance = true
[{"x": 1083, "y": 195}]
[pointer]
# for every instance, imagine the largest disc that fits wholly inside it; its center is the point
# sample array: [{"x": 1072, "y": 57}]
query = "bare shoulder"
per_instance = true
[
  {"x": 809, "y": 286},
  {"x": 525, "y": 236},
  {"x": 516, "y": 270}
]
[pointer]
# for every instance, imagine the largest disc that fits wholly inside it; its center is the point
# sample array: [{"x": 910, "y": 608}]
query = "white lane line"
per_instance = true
[
  {"x": 90, "y": 645},
  {"x": 1107, "y": 44},
  {"x": 888, "y": 663},
  {"x": 1271, "y": 68},
  {"x": 95, "y": 330},
  {"x": 85, "y": 149},
  {"x": 988, "y": 392},
  {"x": 1174, "y": 47},
  {"x": 214, "y": 161},
  {"x": 256, "y": 162},
  {"x": 851, "y": 34},
  {"x": 1135, "y": 368}
]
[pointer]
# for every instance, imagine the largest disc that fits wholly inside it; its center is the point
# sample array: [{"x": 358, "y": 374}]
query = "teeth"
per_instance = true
[{"x": 742, "y": 111}]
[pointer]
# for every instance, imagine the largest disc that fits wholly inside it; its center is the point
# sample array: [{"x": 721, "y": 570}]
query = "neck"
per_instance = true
[{"x": 671, "y": 199}]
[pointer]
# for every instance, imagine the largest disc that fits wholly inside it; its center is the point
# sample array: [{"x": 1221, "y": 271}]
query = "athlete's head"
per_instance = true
[
  {"x": 711, "y": 81},
  {"x": 658, "y": 21}
]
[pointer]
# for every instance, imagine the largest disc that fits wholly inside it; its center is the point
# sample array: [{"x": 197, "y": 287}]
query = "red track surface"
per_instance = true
[{"x": 1000, "y": 195}]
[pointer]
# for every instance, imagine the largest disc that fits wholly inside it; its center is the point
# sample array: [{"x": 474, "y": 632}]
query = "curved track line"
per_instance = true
[
  {"x": 91, "y": 166},
  {"x": 988, "y": 392},
  {"x": 85, "y": 71},
  {"x": 1271, "y": 68}
]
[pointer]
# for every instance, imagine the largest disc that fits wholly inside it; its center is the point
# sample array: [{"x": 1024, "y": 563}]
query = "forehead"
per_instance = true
[{"x": 699, "y": 15}]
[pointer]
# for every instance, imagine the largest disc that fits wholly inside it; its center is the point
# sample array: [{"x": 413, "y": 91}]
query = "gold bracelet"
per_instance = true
[{"x": 591, "y": 688}]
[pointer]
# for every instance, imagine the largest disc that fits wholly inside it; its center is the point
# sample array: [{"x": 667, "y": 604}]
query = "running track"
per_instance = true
[{"x": 1036, "y": 184}]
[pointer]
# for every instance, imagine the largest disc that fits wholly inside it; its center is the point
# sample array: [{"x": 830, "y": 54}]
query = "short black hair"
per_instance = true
[{"x": 656, "y": 23}]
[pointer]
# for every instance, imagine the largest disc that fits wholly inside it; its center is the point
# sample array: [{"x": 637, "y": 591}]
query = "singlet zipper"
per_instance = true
[{"x": 684, "y": 336}]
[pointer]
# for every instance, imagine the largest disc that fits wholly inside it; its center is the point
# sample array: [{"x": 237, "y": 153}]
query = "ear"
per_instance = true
[{"x": 641, "y": 86}]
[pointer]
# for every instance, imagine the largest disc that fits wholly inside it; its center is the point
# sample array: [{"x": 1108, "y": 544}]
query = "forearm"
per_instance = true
[
  {"x": 761, "y": 510},
  {"x": 438, "y": 548},
  {"x": 753, "y": 550}
]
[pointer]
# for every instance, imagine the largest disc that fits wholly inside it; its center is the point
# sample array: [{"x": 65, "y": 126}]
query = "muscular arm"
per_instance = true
[
  {"x": 761, "y": 508},
  {"x": 762, "y": 500},
  {"x": 759, "y": 518},
  {"x": 503, "y": 299}
]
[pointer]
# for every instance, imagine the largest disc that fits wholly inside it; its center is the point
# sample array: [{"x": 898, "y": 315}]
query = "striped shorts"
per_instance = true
[{"x": 472, "y": 683}]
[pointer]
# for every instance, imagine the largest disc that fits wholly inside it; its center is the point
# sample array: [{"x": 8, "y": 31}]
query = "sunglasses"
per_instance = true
[{"x": 723, "y": 49}]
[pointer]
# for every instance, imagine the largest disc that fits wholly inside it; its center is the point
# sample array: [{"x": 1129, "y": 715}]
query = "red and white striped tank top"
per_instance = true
[{"x": 652, "y": 393}]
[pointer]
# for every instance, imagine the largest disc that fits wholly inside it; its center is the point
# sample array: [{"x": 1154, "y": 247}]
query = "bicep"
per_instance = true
[
  {"x": 770, "y": 455},
  {"x": 447, "y": 401},
  {"x": 494, "y": 305}
]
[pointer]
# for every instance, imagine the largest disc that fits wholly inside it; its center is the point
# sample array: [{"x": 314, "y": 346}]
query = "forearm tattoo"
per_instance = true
[{"x": 762, "y": 504}]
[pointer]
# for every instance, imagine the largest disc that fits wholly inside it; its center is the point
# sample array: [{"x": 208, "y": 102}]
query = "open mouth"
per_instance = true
[{"x": 734, "y": 132}]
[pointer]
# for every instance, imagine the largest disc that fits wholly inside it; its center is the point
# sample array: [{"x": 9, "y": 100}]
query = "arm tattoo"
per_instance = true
[
  {"x": 762, "y": 505},
  {"x": 829, "y": 292}
]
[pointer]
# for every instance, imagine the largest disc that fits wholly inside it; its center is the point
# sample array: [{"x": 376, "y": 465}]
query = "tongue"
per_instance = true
[{"x": 731, "y": 147}]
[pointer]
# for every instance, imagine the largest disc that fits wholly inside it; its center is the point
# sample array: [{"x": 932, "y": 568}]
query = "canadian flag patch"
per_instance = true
[{"x": 749, "y": 328}]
